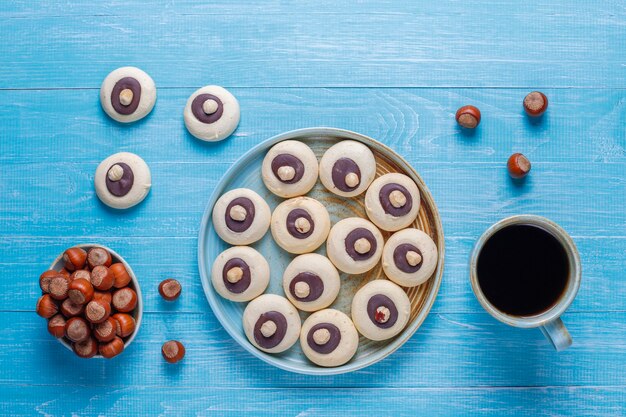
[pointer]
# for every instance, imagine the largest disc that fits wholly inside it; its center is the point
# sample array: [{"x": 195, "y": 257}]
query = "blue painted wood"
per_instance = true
[{"x": 389, "y": 69}]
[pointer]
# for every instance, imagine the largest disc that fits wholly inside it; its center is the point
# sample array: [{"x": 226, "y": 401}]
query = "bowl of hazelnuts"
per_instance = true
[{"x": 92, "y": 301}]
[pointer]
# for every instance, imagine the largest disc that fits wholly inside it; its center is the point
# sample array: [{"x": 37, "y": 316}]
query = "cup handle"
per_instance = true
[{"x": 556, "y": 332}]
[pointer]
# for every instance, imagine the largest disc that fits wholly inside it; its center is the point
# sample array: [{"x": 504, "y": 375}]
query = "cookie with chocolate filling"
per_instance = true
[
  {"x": 380, "y": 309},
  {"x": 122, "y": 180},
  {"x": 300, "y": 225},
  {"x": 392, "y": 202},
  {"x": 127, "y": 94},
  {"x": 271, "y": 323},
  {"x": 354, "y": 245},
  {"x": 311, "y": 282},
  {"x": 289, "y": 169},
  {"x": 328, "y": 338},
  {"x": 211, "y": 113},
  {"x": 347, "y": 168},
  {"x": 241, "y": 216},
  {"x": 240, "y": 273},
  {"x": 409, "y": 257}
]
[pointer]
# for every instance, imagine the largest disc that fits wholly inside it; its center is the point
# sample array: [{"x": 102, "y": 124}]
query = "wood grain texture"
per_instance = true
[
  {"x": 394, "y": 70},
  {"x": 321, "y": 402}
]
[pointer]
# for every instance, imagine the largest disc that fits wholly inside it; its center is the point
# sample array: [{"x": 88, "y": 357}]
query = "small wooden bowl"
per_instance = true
[{"x": 57, "y": 265}]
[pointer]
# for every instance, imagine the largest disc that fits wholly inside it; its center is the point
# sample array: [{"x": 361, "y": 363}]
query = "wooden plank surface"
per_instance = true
[{"x": 393, "y": 70}]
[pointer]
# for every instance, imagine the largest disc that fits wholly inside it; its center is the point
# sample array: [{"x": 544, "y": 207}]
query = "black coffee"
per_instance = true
[{"x": 522, "y": 270}]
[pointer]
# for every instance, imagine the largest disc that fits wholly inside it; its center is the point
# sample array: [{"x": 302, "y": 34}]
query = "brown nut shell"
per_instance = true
[
  {"x": 468, "y": 117},
  {"x": 121, "y": 276},
  {"x": 170, "y": 289},
  {"x": 46, "y": 307},
  {"x": 45, "y": 278},
  {"x": 56, "y": 326},
  {"x": 124, "y": 300},
  {"x": 86, "y": 349},
  {"x": 98, "y": 256},
  {"x": 97, "y": 311},
  {"x": 74, "y": 258},
  {"x": 102, "y": 278},
  {"x": 80, "y": 291},
  {"x": 59, "y": 287},
  {"x": 173, "y": 351},
  {"x": 69, "y": 309},
  {"x": 81, "y": 273},
  {"x": 535, "y": 103},
  {"x": 104, "y": 296},
  {"x": 124, "y": 324},
  {"x": 105, "y": 331},
  {"x": 518, "y": 166},
  {"x": 112, "y": 348},
  {"x": 77, "y": 329}
]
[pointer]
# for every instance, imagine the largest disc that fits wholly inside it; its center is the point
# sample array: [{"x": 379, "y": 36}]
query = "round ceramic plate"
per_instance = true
[{"x": 246, "y": 173}]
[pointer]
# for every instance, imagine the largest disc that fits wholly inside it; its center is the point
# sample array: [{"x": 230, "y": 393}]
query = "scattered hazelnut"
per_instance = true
[
  {"x": 170, "y": 289},
  {"x": 112, "y": 348},
  {"x": 518, "y": 165},
  {"x": 102, "y": 278},
  {"x": 362, "y": 246},
  {"x": 234, "y": 275},
  {"x": 321, "y": 336},
  {"x": 397, "y": 198},
  {"x": 74, "y": 258},
  {"x": 413, "y": 258},
  {"x": 126, "y": 97},
  {"x": 98, "y": 256},
  {"x": 105, "y": 331},
  {"x": 104, "y": 296},
  {"x": 124, "y": 324},
  {"x": 268, "y": 328},
  {"x": 77, "y": 329},
  {"x": 80, "y": 291},
  {"x": 209, "y": 106},
  {"x": 81, "y": 273},
  {"x": 468, "y": 117},
  {"x": 69, "y": 309},
  {"x": 88, "y": 348},
  {"x": 302, "y": 225},
  {"x": 286, "y": 173},
  {"x": 56, "y": 326},
  {"x": 382, "y": 314},
  {"x": 238, "y": 213},
  {"x": 58, "y": 287},
  {"x": 173, "y": 351},
  {"x": 352, "y": 180},
  {"x": 124, "y": 300},
  {"x": 64, "y": 272},
  {"x": 535, "y": 103},
  {"x": 46, "y": 307},
  {"x": 97, "y": 311},
  {"x": 121, "y": 276},
  {"x": 302, "y": 289}
]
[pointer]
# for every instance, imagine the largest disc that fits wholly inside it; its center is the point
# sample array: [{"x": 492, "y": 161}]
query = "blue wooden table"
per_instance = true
[{"x": 389, "y": 69}]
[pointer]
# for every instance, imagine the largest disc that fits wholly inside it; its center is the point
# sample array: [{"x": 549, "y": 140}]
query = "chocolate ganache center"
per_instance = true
[
  {"x": 197, "y": 108},
  {"x": 389, "y": 206},
  {"x": 377, "y": 301},
  {"x": 285, "y": 160},
  {"x": 300, "y": 224},
  {"x": 268, "y": 342},
  {"x": 356, "y": 234},
  {"x": 314, "y": 283},
  {"x": 401, "y": 260},
  {"x": 237, "y": 225},
  {"x": 120, "y": 179},
  {"x": 341, "y": 169},
  {"x": 333, "y": 340},
  {"x": 239, "y": 284},
  {"x": 126, "y": 83}
]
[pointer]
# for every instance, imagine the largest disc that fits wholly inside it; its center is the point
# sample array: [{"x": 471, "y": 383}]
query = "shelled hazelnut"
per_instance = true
[
  {"x": 173, "y": 351},
  {"x": 88, "y": 302},
  {"x": 170, "y": 289}
]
